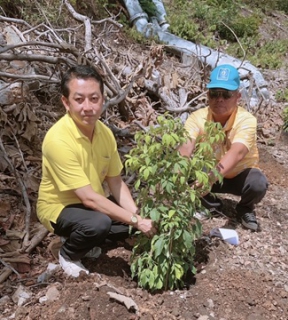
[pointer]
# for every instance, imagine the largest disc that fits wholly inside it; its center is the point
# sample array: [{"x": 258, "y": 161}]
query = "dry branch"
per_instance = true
[
  {"x": 37, "y": 57},
  {"x": 5, "y": 274},
  {"x": 24, "y": 194},
  {"x": 129, "y": 303},
  {"x": 39, "y": 236},
  {"x": 162, "y": 93},
  {"x": 87, "y": 23}
]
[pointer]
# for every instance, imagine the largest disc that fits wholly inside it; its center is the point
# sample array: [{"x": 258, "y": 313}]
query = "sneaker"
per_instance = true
[
  {"x": 249, "y": 221},
  {"x": 201, "y": 215},
  {"x": 71, "y": 268}
]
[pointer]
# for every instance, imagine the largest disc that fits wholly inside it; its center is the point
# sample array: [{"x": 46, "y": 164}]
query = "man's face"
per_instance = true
[
  {"x": 222, "y": 102},
  {"x": 85, "y": 101}
]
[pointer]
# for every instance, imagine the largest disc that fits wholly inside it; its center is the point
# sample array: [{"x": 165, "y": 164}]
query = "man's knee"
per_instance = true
[
  {"x": 97, "y": 226},
  {"x": 258, "y": 183}
]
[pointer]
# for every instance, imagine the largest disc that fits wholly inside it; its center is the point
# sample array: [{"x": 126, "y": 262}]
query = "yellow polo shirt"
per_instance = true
[
  {"x": 241, "y": 127},
  {"x": 71, "y": 161}
]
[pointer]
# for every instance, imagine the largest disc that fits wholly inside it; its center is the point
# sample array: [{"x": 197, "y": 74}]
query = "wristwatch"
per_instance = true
[{"x": 134, "y": 219}]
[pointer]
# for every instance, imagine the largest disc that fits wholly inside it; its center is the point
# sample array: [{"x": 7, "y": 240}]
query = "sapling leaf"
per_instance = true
[
  {"x": 158, "y": 246},
  {"x": 178, "y": 271},
  {"x": 155, "y": 214},
  {"x": 187, "y": 238}
]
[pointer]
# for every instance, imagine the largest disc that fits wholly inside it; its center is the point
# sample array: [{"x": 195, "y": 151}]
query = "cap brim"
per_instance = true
[{"x": 222, "y": 86}]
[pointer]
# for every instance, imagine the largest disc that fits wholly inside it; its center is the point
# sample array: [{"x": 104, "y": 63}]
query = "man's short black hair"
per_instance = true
[{"x": 80, "y": 72}]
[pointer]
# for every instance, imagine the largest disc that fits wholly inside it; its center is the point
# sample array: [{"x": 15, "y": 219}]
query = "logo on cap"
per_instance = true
[{"x": 223, "y": 74}]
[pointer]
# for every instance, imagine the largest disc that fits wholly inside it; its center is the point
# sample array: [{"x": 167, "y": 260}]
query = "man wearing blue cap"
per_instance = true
[{"x": 238, "y": 154}]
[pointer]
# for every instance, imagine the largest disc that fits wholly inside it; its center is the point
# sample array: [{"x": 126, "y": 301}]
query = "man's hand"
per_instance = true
[
  {"x": 146, "y": 226},
  {"x": 198, "y": 185}
]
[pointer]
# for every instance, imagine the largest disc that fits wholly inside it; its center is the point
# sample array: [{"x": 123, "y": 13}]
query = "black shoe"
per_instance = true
[{"x": 249, "y": 221}]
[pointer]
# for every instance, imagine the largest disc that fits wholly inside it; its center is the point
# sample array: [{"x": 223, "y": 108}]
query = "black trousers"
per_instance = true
[
  {"x": 85, "y": 229},
  {"x": 251, "y": 185}
]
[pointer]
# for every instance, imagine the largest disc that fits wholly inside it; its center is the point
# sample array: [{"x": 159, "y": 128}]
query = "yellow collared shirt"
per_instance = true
[
  {"x": 71, "y": 161},
  {"x": 241, "y": 127}
]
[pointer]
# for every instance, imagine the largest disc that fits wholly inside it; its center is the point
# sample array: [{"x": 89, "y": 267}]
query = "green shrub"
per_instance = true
[
  {"x": 241, "y": 26},
  {"x": 167, "y": 199},
  {"x": 282, "y": 5},
  {"x": 149, "y": 7},
  {"x": 282, "y": 95},
  {"x": 269, "y": 55},
  {"x": 268, "y": 5}
]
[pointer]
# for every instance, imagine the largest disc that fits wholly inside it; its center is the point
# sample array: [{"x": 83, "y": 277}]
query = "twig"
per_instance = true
[
  {"x": 20, "y": 21},
  {"x": 39, "y": 236},
  {"x": 87, "y": 23},
  {"x": 120, "y": 97},
  {"x": 5, "y": 274},
  {"x": 194, "y": 99},
  {"x": 110, "y": 20},
  {"x": 10, "y": 267},
  {"x": 33, "y": 43},
  {"x": 29, "y": 77},
  {"x": 36, "y": 57},
  {"x": 234, "y": 34},
  {"x": 50, "y": 27}
]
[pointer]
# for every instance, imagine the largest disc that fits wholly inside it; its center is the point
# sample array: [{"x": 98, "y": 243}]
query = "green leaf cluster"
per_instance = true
[
  {"x": 270, "y": 54},
  {"x": 282, "y": 95},
  {"x": 149, "y": 7},
  {"x": 166, "y": 197}
]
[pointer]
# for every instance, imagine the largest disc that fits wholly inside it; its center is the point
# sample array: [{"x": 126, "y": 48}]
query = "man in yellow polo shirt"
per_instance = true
[
  {"x": 238, "y": 155},
  {"x": 79, "y": 154}
]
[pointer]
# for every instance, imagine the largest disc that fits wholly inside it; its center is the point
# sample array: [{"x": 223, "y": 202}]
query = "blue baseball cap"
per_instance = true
[{"x": 224, "y": 77}]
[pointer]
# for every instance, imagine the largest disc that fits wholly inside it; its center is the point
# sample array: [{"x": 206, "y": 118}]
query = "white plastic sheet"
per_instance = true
[{"x": 228, "y": 235}]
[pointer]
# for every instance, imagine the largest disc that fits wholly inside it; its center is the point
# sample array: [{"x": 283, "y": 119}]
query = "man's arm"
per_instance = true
[
  {"x": 95, "y": 201},
  {"x": 235, "y": 154},
  {"x": 121, "y": 193}
]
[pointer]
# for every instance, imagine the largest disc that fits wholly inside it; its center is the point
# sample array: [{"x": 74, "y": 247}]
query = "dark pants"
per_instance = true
[
  {"x": 250, "y": 184},
  {"x": 85, "y": 229}
]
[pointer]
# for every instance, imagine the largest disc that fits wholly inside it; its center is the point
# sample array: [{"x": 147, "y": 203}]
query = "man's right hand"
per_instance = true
[{"x": 146, "y": 226}]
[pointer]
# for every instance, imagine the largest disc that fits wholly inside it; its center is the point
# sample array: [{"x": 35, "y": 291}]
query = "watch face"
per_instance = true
[{"x": 134, "y": 219}]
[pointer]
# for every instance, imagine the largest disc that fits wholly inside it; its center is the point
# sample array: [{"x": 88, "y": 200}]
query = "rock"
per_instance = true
[
  {"x": 21, "y": 295},
  {"x": 4, "y": 300},
  {"x": 12, "y": 93}
]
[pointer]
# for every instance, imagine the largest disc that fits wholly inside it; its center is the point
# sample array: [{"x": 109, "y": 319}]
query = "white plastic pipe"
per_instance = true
[{"x": 157, "y": 27}]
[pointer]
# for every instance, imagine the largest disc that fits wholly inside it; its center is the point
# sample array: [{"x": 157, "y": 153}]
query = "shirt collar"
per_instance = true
[
  {"x": 228, "y": 125},
  {"x": 78, "y": 134}
]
